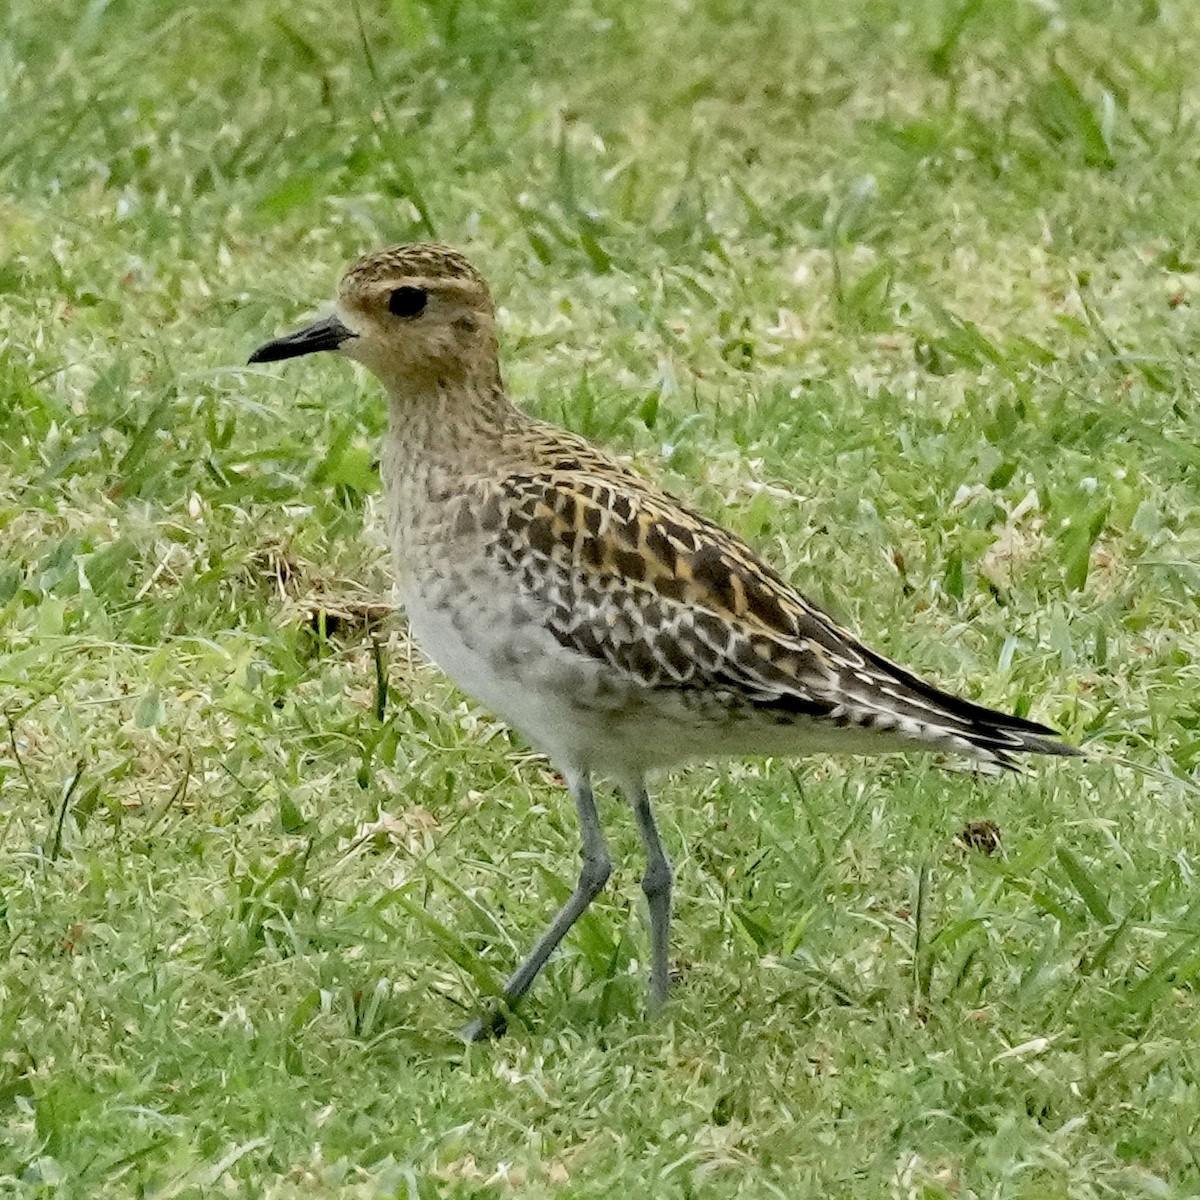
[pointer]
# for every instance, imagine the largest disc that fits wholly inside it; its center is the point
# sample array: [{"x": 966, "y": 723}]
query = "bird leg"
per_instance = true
[
  {"x": 656, "y": 883},
  {"x": 597, "y": 867}
]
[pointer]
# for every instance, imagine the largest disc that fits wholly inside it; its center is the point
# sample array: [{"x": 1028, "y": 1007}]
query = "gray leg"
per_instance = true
[
  {"x": 656, "y": 883},
  {"x": 597, "y": 867}
]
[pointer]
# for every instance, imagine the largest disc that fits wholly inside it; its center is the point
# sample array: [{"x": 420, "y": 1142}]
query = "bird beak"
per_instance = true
[{"x": 326, "y": 334}]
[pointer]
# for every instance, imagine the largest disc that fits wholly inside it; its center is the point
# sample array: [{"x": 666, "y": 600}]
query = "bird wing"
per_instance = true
[{"x": 624, "y": 574}]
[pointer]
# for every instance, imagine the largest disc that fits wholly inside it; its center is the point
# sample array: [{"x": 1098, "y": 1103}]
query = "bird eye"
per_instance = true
[{"x": 407, "y": 301}]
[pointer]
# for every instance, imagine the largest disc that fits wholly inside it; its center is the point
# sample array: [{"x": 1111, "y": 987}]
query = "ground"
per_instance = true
[{"x": 904, "y": 292}]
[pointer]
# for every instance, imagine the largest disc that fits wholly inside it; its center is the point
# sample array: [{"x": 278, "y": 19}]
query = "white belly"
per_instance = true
[{"x": 519, "y": 672}]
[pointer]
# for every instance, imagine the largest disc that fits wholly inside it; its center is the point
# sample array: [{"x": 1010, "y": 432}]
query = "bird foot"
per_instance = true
[{"x": 492, "y": 1024}]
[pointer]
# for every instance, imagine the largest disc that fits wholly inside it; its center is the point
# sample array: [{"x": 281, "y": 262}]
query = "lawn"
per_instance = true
[{"x": 904, "y": 291}]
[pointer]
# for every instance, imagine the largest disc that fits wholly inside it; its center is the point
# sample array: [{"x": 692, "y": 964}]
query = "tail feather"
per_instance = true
[{"x": 952, "y": 723}]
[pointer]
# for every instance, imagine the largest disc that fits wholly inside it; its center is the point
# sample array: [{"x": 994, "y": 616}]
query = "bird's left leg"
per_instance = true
[
  {"x": 656, "y": 883},
  {"x": 593, "y": 875}
]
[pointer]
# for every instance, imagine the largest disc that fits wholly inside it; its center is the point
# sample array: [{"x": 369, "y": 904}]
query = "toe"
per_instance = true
[{"x": 491, "y": 1025}]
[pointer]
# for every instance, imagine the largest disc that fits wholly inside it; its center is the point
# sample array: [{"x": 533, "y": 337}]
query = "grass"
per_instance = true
[{"x": 904, "y": 292}]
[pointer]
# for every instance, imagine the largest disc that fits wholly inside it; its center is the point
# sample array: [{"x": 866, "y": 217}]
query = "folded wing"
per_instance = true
[{"x": 622, "y": 574}]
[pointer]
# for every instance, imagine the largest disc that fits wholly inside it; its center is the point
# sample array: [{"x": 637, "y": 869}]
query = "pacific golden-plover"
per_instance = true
[{"x": 616, "y": 629}]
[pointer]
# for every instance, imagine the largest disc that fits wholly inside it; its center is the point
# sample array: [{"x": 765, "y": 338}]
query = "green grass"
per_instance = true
[{"x": 905, "y": 296}]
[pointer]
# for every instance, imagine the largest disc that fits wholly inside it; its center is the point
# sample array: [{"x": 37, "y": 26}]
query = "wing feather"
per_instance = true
[{"x": 625, "y": 575}]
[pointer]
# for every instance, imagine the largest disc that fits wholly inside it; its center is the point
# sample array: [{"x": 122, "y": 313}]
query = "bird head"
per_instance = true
[{"x": 417, "y": 316}]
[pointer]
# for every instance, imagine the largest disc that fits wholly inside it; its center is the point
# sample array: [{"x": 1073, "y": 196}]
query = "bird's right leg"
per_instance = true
[
  {"x": 597, "y": 867},
  {"x": 656, "y": 883}
]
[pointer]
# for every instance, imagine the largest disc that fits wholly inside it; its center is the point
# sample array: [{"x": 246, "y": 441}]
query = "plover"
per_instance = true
[{"x": 615, "y": 628}]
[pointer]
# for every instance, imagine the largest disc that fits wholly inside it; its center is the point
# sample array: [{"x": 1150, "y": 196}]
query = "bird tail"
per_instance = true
[{"x": 951, "y": 723}]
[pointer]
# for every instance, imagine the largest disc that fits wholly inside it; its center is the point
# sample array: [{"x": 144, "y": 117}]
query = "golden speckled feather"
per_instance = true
[{"x": 624, "y": 574}]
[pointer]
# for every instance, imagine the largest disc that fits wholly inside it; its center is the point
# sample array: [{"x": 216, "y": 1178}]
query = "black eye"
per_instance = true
[{"x": 407, "y": 301}]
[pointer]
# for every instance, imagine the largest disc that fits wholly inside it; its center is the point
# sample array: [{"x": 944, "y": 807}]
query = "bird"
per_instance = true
[{"x": 619, "y": 631}]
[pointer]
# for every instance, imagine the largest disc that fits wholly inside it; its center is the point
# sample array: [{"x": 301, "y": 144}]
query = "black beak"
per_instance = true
[{"x": 326, "y": 334}]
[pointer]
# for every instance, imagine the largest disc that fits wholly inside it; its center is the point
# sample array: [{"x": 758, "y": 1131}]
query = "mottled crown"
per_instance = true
[{"x": 416, "y": 260}]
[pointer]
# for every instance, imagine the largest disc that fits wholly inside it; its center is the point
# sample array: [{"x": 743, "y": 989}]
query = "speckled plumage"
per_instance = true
[
  {"x": 416, "y": 261},
  {"x": 617, "y": 629}
]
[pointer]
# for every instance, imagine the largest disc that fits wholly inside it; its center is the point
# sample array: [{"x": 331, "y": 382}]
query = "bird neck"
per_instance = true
[
  {"x": 442, "y": 443},
  {"x": 449, "y": 421}
]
